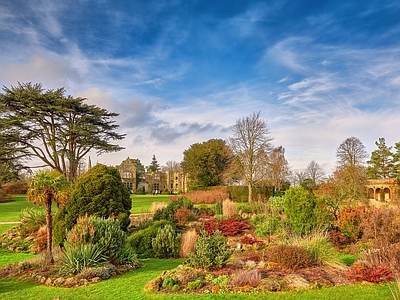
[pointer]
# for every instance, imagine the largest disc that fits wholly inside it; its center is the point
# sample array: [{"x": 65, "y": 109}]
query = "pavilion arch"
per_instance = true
[{"x": 383, "y": 190}]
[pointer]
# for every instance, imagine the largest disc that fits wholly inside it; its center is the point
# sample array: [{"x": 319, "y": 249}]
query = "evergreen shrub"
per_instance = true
[
  {"x": 99, "y": 192},
  {"x": 305, "y": 212},
  {"x": 167, "y": 242},
  {"x": 211, "y": 251},
  {"x": 141, "y": 241}
]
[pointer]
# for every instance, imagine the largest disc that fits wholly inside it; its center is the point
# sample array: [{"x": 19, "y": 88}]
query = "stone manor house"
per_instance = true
[
  {"x": 151, "y": 182},
  {"x": 379, "y": 190}
]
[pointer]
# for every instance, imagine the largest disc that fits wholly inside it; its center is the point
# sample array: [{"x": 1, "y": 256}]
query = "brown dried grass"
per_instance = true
[
  {"x": 207, "y": 197},
  {"x": 188, "y": 242},
  {"x": 229, "y": 208},
  {"x": 157, "y": 206},
  {"x": 246, "y": 278}
]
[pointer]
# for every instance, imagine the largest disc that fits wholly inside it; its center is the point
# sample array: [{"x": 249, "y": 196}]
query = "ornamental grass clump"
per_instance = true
[
  {"x": 229, "y": 208},
  {"x": 246, "y": 278},
  {"x": 188, "y": 242},
  {"x": 319, "y": 248}
]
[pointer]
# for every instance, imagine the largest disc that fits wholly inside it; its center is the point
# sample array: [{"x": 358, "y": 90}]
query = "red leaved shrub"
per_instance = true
[
  {"x": 371, "y": 274},
  {"x": 338, "y": 239},
  {"x": 228, "y": 227},
  {"x": 250, "y": 240}
]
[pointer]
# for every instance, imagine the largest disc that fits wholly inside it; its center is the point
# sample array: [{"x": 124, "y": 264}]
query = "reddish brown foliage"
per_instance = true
[
  {"x": 17, "y": 187},
  {"x": 246, "y": 278},
  {"x": 349, "y": 221},
  {"x": 370, "y": 274},
  {"x": 382, "y": 226},
  {"x": 250, "y": 240},
  {"x": 287, "y": 256},
  {"x": 338, "y": 239},
  {"x": 207, "y": 197},
  {"x": 228, "y": 227},
  {"x": 182, "y": 216}
]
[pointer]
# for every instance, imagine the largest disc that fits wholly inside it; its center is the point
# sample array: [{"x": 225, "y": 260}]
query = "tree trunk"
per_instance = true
[
  {"x": 250, "y": 187},
  {"x": 49, "y": 220}
]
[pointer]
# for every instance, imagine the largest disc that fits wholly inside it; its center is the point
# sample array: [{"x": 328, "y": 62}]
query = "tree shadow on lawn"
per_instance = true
[{"x": 9, "y": 285}]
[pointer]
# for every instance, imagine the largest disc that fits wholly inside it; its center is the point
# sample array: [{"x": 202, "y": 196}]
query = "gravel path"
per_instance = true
[{"x": 12, "y": 222}]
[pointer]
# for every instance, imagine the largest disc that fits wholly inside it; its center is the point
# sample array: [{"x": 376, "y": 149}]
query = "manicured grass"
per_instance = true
[
  {"x": 11, "y": 211},
  {"x": 5, "y": 227},
  {"x": 142, "y": 203},
  {"x": 131, "y": 285},
  {"x": 7, "y": 257}
]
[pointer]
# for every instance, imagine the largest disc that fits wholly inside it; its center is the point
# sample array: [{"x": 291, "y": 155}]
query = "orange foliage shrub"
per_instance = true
[
  {"x": 287, "y": 256},
  {"x": 182, "y": 216},
  {"x": 349, "y": 221},
  {"x": 17, "y": 187},
  {"x": 40, "y": 240}
]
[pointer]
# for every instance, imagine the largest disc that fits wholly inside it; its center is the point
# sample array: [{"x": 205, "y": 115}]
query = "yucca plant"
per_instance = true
[{"x": 80, "y": 256}]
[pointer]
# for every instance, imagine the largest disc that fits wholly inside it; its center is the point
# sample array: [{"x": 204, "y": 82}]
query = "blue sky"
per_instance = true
[{"x": 182, "y": 72}]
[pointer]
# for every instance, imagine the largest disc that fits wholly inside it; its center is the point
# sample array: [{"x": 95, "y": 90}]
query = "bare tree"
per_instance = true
[
  {"x": 250, "y": 142},
  {"x": 351, "y": 152},
  {"x": 350, "y": 174},
  {"x": 297, "y": 177},
  {"x": 278, "y": 169},
  {"x": 171, "y": 165},
  {"x": 315, "y": 172}
]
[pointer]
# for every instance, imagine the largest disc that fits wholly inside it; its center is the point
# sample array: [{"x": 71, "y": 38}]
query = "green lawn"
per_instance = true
[
  {"x": 5, "y": 227},
  {"x": 131, "y": 285},
  {"x": 11, "y": 211},
  {"x": 142, "y": 203},
  {"x": 7, "y": 257}
]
